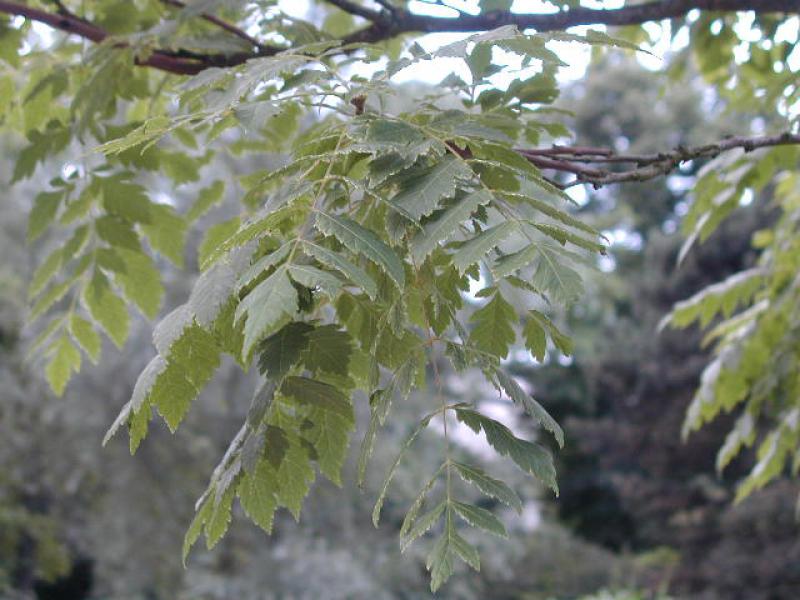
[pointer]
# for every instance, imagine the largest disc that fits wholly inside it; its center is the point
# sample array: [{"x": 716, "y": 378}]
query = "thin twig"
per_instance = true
[
  {"x": 650, "y": 166},
  {"x": 221, "y": 23},
  {"x": 356, "y": 9}
]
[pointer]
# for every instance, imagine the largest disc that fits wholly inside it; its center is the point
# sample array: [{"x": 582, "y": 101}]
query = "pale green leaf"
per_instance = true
[
  {"x": 45, "y": 207},
  {"x": 196, "y": 527},
  {"x": 86, "y": 336},
  {"x": 257, "y": 494},
  {"x": 65, "y": 359},
  {"x": 106, "y": 308},
  {"x": 219, "y": 519},
  {"x": 330, "y": 436},
  {"x": 206, "y": 199},
  {"x": 140, "y": 281},
  {"x": 263, "y": 265},
  {"x": 213, "y": 240}
]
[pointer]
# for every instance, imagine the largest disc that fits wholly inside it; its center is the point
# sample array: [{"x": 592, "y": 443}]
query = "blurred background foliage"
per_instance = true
[{"x": 639, "y": 509}]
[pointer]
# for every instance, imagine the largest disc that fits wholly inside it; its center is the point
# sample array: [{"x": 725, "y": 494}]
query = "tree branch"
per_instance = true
[
  {"x": 222, "y": 24},
  {"x": 573, "y": 159},
  {"x": 403, "y": 21},
  {"x": 388, "y": 24},
  {"x": 356, "y": 9},
  {"x": 165, "y": 60}
]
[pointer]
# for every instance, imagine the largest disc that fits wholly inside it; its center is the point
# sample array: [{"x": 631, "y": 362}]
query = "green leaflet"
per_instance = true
[
  {"x": 45, "y": 207},
  {"x": 422, "y": 525},
  {"x": 528, "y": 456},
  {"x": 170, "y": 383},
  {"x": 219, "y": 519},
  {"x": 562, "y": 236},
  {"x": 379, "y": 403},
  {"x": 531, "y": 406},
  {"x": 449, "y": 545},
  {"x": 272, "y": 303},
  {"x": 480, "y": 518},
  {"x": 488, "y": 485},
  {"x": 328, "y": 350},
  {"x": 317, "y": 394},
  {"x": 494, "y": 327},
  {"x": 330, "y": 436},
  {"x": 106, "y": 308},
  {"x": 282, "y": 350},
  {"x": 376, "y": 511},
  {"x": 257, "y": 495},
  {"x": 211, "y": 292},
  {"x": 514, "y": 262},
  {"x": 480, "y": 245},
  {"x": 561, "y": 282},
  {"x": 295, "y": 474},
  {"x": 140, "y": 281},
  {"x": 86, "y": 336},
  {"x": 166, "y": 232},
  {"x": 117, "y": 232},
  {"x": 226, "y": 239},
  {"x": 535, "y": 330},
  {"x": 413, "y": 512},
  {"x": 421, "y": 193},
  {"x": 45, "y": 272},
  {"x": 262, "y": 265},
  {"x": 334, "y": 260},
  {"x": 206, "y": 199},
  {"x": 445, "y": 224},
  {"x": 362, "y": 241},
  {"x": 723, "y": 297},
  {"x": 196, "y": 528},
  {"x": 214, "y": 238},
  {"x": 314, "y": 278},
  {"x": 65, "y": 359}
]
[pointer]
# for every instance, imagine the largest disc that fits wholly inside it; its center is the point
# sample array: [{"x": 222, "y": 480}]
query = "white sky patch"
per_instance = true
[
  {"x": 630, "y": 240},
  {"x": 579, "y": 194},
  {"x": 606, "y": 263},
  {"x": 432, "y": 10}
]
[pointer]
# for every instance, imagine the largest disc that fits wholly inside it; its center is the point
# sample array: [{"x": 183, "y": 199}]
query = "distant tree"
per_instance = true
[{"x": 349, "y": 265}]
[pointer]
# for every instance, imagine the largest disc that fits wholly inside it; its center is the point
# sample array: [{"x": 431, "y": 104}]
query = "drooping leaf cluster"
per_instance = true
[
  {"x": 348, "y": 270},
  {"x": 751, "y": 317}
]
